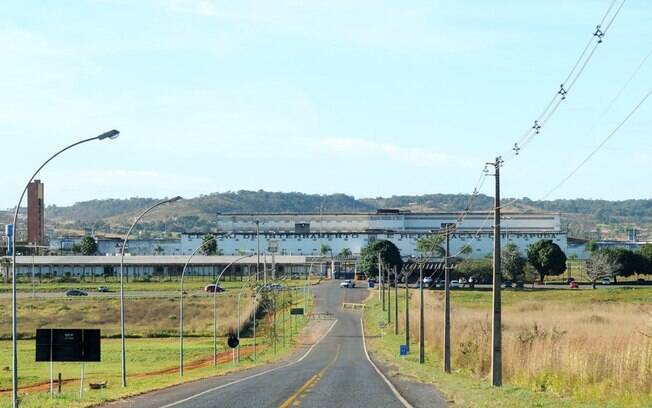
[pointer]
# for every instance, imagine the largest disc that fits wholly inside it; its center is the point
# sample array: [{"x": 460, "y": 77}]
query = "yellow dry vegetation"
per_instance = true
[{"x": 586, "y": 350}]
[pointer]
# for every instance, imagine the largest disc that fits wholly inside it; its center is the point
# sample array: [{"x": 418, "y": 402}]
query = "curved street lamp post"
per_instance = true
[
  {"x": 217, "y": 281},
  {"x": 122, "y": 289},
  {"x": 112, "y": 134}
]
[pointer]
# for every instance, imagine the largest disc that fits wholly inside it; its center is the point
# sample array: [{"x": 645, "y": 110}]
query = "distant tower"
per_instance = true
[{"x": 35, "y": 213}]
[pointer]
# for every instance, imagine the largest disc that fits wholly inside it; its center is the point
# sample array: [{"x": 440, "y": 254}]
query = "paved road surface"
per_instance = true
[{"x": 335, "y": 373}]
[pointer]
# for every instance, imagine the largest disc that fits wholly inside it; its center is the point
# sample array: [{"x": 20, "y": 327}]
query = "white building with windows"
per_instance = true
[{"x": 302, "y": 234}]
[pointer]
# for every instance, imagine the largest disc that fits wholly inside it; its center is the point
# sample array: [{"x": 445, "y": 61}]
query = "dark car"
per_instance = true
[
  {"x": 76, "y": 292},
  {"x": 213, "y": 288},
  {"x": 569, "y": 280},
  {"x": 103, "y": 289}
]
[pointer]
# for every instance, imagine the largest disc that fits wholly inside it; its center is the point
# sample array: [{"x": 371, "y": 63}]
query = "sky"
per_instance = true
[{"x": 368, "y": 98}]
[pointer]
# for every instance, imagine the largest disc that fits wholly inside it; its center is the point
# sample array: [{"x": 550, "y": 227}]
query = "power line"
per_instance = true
[{"x": 597, "y": 148}]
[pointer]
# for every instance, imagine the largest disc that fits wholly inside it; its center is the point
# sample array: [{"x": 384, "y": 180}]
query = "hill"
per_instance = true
[{"x": 584, "y": 217}]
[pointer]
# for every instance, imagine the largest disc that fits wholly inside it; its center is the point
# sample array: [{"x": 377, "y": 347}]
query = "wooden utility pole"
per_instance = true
[
  {"x": 395, "y": 301},
  {"x": 422, "y": 356},
  {"x": 407, "y": 313},
  {"x": 389, "y": 296},
  {"x": 448, "y": 228},
  {"x": 496, "y": 339}
]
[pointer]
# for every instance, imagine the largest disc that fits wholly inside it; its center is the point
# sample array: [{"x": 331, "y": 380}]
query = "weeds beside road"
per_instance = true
[{"x": 560, "y": 348}]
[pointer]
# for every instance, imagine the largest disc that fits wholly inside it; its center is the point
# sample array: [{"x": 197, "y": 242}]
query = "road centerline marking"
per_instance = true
[
  {"x": 240, "y": 380},
  {"x": 295, "y": 399}
]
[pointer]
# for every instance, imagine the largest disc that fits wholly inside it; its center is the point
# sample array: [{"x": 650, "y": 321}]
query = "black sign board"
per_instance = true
[
  {"x": 68, "y": 345},
  {"x": 233, "y": 341},
  {"x": 296, "y": 311}
]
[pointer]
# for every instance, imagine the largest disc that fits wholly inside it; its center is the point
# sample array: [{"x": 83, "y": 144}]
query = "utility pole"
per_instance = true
[
  {"x": 422, "y": 356},
  {"x": 381, "y": 280},
  {"x": 448, "y": 228},
  {"x": 496, "y": 339},
  {"x": 407, "y": 313},
  {"x": 389, "y": 296},
  {"x": 395, "y": 301},
  {"x": 258, "y": 252}
]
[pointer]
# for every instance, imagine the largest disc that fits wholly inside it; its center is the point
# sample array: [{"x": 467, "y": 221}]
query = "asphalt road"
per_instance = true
[
  {"x": 108, "y": 295},
  {"x": 333, "y": 372}
]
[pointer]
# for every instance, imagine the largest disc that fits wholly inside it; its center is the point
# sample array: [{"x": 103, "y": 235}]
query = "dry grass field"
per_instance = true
[
  {"x": 587, "y": 345},
  {"x": 148, "y": 317}
]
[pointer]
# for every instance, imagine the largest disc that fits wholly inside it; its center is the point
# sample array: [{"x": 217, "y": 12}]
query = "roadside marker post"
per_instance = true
[{"x": 403, "y": 350}]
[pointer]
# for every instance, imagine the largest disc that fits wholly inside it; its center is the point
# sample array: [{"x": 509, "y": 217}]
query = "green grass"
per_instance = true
[
  {"x": 465, "y": 390},
  {"x": 482, "y": 298},
  {"x": 143, "y": 356},
  {"x": 190, "y": 284}
]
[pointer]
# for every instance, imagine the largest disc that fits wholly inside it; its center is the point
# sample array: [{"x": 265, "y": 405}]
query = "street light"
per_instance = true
[
  {"x": 122, "y": 289},
  {"x": 112, "y": 134},
  {"x": 183, "y": 273}
]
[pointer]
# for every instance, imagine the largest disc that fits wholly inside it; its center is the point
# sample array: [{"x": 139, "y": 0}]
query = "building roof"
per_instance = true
[{"x": 153, "y": 260}]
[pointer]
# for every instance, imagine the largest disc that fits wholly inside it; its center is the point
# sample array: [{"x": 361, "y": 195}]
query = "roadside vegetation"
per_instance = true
[
  {"x": 152, "y": 346},
  {"x": 560, "y": 348}
]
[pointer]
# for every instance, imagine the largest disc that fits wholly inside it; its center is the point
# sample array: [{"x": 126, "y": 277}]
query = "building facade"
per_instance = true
[
  {"x": 35, "y": 213},
  {"x": 304, "y": 234}
]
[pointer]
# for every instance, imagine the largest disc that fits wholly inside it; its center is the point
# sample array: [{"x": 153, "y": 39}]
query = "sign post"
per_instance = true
[
  {"x": 68, "y": 345},
  {"x": 403, "y": 351},
  {"x": 381, "y": 325}
]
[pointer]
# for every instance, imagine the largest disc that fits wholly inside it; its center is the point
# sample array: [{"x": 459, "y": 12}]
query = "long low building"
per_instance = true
[
  {"x": 152, "y": 266},
  {"x": 304, "y": 234}
]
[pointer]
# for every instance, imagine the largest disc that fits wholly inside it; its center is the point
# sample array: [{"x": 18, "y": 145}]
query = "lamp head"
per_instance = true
[
  {"x": 111, "y": 134},
  {"x": 175, "y": 199}
]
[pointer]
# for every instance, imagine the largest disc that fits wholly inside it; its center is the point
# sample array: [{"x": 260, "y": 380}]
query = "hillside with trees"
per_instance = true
[{"x": 584, "y": 218}]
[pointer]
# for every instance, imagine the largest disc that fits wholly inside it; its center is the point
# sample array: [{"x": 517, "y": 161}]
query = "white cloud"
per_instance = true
[{"x": 416, "y": 157}]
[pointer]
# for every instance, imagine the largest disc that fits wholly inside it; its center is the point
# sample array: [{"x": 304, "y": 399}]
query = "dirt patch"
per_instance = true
[{"x": 223, "y": 357}]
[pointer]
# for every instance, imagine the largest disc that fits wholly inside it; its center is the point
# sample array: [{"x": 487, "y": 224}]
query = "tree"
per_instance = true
[
  {"x": 591, "y": 246},
  {"x": 602, "y": 264},
  {"x": 630, "y": 262},
  {"x": 158, "y": 250},
  {"x": 76, "y": 249},
  {"x": 547, "y": 258},
  {"x": 466, "y": 250},
  {"x": 209, "y": 245},
  {"x": 5, "y": 262},
  {"x": 481, "y": 269},
  {"x": 430, "y": 246},
  {"x": 88, "y": 246},
  {"x": 389, "y": 255},
  {"x": 513, "y": 263},
  {"x": 325, "y": 249},
  {"x": 345, "y": 253}
]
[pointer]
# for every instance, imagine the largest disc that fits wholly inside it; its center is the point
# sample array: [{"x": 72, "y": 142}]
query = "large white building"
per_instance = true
[{"x": 303, "y": 234}]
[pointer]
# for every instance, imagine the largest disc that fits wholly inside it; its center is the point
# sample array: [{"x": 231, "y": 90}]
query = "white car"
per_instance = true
[
  {"x": 605, "y": 281},
  {"x": 454, "y": 284},
  {"x": 427, "y": 281},
  {"x": 347, "y": 284}
]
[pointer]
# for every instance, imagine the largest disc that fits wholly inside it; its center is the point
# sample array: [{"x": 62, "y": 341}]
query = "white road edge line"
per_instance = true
[
  {"x": 391, "y": 386},
  {"x": 251, "y": 376}
]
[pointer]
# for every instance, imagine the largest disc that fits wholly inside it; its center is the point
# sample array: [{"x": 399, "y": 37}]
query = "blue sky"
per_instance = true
[{"x": 368, "y": 98}]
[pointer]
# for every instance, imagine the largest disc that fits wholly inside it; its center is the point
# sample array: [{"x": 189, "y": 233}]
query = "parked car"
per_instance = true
[
  {"x": 213, "y": 288},
  {"x": 569, "y": 280},
  {"x": 605, "y": 281},
  {"x": 507, "y": 284},
  {"x": 427, "y": 281},
  {"x": 574, "y": 285},
  {"x": 454, "y": 284},
  {"x": 103, "y": 289},
  {"x": 76, "y": 292},
  {"x": 347, "y": 284},
  {"x": 519, "y": 284}
]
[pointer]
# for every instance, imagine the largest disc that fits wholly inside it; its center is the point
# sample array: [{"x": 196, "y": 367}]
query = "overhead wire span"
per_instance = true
[
  {"x": 600, "y": 146},
  {"x": 574, "y": 74}
]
